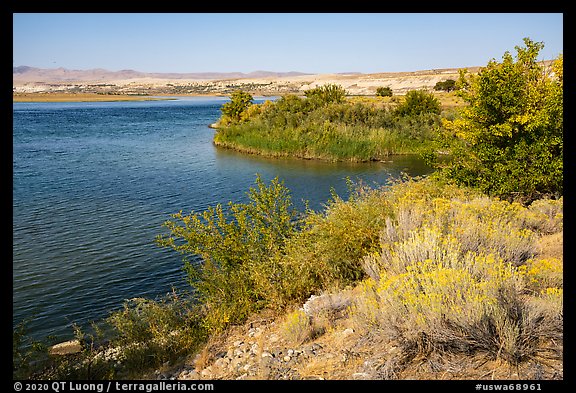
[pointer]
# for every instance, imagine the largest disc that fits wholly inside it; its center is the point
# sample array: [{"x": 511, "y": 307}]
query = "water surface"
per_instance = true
[{"x": 93, "y": 183}]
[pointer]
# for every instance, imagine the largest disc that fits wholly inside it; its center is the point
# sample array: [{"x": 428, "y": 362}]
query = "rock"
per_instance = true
[
  {"x": 207, "y": 372},
  {"x": 286, "y": 358},
  {"x": 221, "y": 363},
  {"x": 254, "y": 332},
  {"x": 347, "y": 332},
  {"x": 189, "y": 374},
  {"x": 265, "y": 371},
  {"x": 273, "y": 338},
  {"x": 361, "y": 376},
  {"x": 66, "y": 348},
  {"x": 326, "y": 304},
  {"x": 235, "y": 364}
]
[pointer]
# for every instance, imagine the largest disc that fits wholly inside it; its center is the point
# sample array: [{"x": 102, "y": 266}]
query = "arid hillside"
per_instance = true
[{"x": 30, "y": 80}]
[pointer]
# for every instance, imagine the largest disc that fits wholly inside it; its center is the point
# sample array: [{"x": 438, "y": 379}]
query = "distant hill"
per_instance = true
[
  {"x": 23, "y": 74},
  {"x": 36, "y": 80}
]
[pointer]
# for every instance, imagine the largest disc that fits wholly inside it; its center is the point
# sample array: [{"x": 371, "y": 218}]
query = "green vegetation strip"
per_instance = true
[{"x": 325, "y": 125}]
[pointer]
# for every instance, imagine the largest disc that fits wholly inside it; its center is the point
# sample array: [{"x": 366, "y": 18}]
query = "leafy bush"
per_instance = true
[
  {"x": 512, "y": 128},
  {"x": 447, "y": 85},
  {"x": 239, "y": 272},
  {"x": 240, "y": 101},
  {"x": 336, "y": 240},
  {"x": 326, "y": 94},
  {"x": 294, "y": 126},
  {"x": 417, "y": 102},
  {"x": 25, "y": 351},
  {"x": 148, "y": 333},
  {"x": 384, "y": 91}
]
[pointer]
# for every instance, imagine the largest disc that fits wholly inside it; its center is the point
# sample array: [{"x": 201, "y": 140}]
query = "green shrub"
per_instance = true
[
  {"x": 147, "y": 333},
  {"x": 240, "y": 101},
  {"x": 512, "y": 128},
  {"x": 336, "y": 239},
  {"x": 384, "y": 91},
  {"x": 239, "y": 250},
  {"x": 25, "y": 352},
  {"x": 335, "y": 131},
  {"x": 326, "y": 94},
  {"x": 447, "y": 85},
  {"x": 417, "y": 102}
]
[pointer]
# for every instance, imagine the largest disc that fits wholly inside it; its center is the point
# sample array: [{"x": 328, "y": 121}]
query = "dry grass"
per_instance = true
[
  {"x": 297, "y": 327},
  {"x": 448, "y": 100},
  {"x": 551, "y": 246}
]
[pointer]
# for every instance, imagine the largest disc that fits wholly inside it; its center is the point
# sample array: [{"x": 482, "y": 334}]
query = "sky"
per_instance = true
[{"x": 280, "y": 42}]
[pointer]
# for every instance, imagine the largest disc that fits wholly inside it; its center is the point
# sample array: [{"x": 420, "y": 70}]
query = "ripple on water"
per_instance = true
[{"x": 93, "y": 183}]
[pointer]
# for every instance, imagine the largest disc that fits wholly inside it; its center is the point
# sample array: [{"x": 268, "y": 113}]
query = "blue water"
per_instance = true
[{"x": 93, "y": 183}]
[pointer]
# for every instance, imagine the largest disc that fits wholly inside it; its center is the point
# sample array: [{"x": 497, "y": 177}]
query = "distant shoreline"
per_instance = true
[
  {"x": 81, "y": 97},
  {"x": 94, "y": 97}
]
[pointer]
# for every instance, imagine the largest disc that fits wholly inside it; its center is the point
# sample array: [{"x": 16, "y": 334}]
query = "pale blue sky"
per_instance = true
[{"x": 245, "y": 42}]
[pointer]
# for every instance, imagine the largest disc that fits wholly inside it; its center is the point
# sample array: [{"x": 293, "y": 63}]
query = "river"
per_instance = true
[{"x": 93, "y": 183}]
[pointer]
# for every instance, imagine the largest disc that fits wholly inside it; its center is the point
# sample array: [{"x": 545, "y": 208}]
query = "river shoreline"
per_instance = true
[{"x": 82, "y": 97}]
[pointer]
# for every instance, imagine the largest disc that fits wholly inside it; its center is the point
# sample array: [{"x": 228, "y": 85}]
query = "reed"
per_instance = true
[{"x": 344, "y": 131}]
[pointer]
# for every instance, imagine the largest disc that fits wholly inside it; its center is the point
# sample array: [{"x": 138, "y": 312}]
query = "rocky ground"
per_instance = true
[{"x": 258, "y": 351}]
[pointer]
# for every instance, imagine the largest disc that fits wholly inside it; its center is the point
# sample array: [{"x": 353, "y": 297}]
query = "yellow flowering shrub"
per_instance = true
[
  {"x": 554, "y": 298},
  {"x": 456, "y": 268},
  {"x": 429, "y": 291},
  {"x": 366, "y": 311},
  {"x": 544, "y": 273},
  {"x": 546, "y": 215},
  {"x": 297, "y": 327}
]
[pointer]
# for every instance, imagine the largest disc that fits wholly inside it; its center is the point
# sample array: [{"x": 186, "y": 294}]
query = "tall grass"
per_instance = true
[{"x": 335, "y": 131}]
